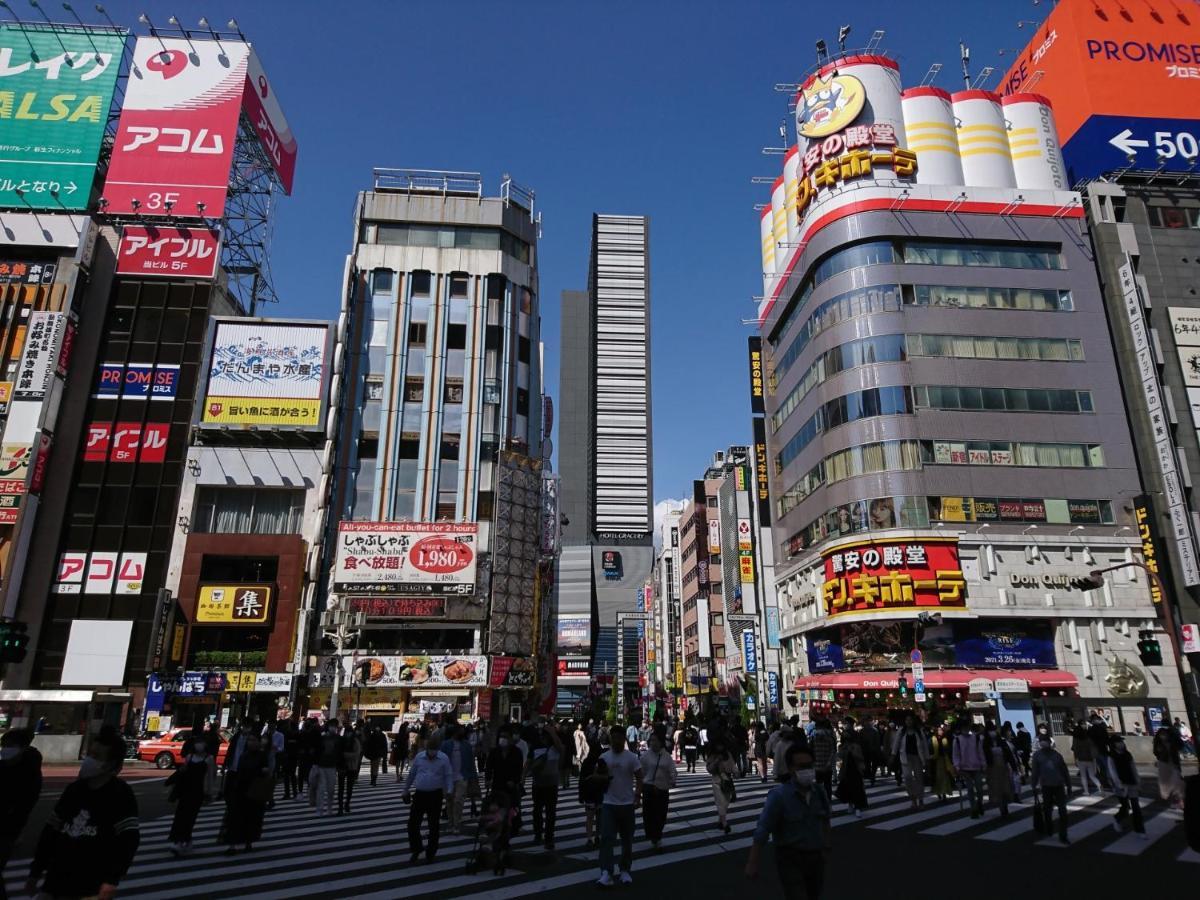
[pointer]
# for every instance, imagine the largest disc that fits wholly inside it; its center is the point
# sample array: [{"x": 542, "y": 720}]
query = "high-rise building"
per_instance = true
[
  {"x": 1128, "y": 125},
  {"x": 606, "y": 451},
  {"x": 441, "y": 437},
  {"x": 668, "y": 605},
  {"x": 947, "y": 449}
]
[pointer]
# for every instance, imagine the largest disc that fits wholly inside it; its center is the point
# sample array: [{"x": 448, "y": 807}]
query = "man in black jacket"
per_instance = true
[
  {"x": 93, "y": 833},
  {"x": 20, "y": 787},
  {"x": 505, "y": 771}
]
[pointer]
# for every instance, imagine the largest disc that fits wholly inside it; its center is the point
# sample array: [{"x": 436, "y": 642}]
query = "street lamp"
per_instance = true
[
  {"x": 1095, "y": 579},
  {"x": 340, "y": 626}
]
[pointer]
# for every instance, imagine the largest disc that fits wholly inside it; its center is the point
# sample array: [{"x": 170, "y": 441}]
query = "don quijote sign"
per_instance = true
[
  {"x": 406, "y": 558},
  {"x": 1055, "y": 582}
]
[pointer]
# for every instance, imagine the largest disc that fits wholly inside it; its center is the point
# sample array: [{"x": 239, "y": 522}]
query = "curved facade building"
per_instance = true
[{"x": 946, "y": 439}]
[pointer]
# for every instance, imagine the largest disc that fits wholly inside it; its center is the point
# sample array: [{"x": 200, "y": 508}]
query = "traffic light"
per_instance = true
[
  {"x": 1149, "y": 649},
  {"x": 14, "y": 639},
  {"x": 1087, "y": 583},
  {"x": 903, "y": 685}
]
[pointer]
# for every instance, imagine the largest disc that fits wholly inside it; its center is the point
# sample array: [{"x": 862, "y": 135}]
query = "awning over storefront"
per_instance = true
[{"x": 1015, "y": 681}]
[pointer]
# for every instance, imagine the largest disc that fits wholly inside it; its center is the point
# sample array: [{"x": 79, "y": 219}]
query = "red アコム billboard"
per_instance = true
[
  {"x": 266, "y": 115},
  {"x": 174, "y": 144}
]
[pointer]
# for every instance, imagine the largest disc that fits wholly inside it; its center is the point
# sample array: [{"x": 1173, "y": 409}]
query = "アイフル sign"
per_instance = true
[{"x": 169, "y": 251}]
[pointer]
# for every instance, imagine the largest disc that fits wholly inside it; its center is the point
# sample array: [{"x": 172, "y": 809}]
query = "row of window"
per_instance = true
[
  {"x": 892, "y": 298},
  {"x": 899, "y": 347},
  {"x": 912, "y": 455},
  {"x": 881, "y": 513},
  {"x": 892, "y": 401},
  {"x": 1174, "y": 216},
  {"x": 936, "y": 253},
  {"x": 446, "y": 237}
]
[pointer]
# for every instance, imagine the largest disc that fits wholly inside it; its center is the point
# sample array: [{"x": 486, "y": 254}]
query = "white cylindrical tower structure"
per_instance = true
[
  {"x": 1033, "y": 143},
  {"x": 791, "y": 186},
  {"x": 982, "y": 140},
  {"x": 929, "y": 126},
  {"x": 779, "y": 228},
  {"x": 768, "y": 251}
]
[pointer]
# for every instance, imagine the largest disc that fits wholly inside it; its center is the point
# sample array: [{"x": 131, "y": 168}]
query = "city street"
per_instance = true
[{"x": 364, "y": 855}]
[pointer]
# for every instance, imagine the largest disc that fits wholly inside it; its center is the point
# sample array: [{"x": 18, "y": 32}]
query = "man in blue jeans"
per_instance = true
[{"x": 621, "y": 797}]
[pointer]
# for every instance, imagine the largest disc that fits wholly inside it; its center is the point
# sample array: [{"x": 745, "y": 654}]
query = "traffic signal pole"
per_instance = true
[{"x": 1181, "y": 661}]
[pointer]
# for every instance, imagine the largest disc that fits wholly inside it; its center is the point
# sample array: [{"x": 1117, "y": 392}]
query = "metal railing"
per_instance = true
[{"x": 429, "y": 181}]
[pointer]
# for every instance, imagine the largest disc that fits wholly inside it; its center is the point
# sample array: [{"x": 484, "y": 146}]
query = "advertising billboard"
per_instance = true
[
  {"x": 412, "y": 671},
  {"x": 43, "y": 339},
  {"x": 269, "y": 374},
  {"x": 406, "y": 558},
  {"x": 56, "y": 87},
  {"x": 266, "y": 116},
  {"x": 234, "y": 604},
  {"x": 156, "y": 381},
  {"x": 1002, "y": 645},
  {"x": 400, "y": 607},
  {"x": 26, "y": 271},
  {"x": 1122, "y": 79},
  {"x": 574, "y": 636},
  {"x": 756, "y": 375},
  {"x": 126, "y": 442},
  {"x": 169, "y": 252},
  {"x": 174, "y": 144},
  {"x": 893, "y": 574}
]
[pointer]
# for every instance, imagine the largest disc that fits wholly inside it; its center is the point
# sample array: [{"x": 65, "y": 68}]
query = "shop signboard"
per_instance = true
[
  {"x": 400, "y": 607},
  {"x": 234, "y": 604},
  {"x": 773, "y": 688},
  {"x": 749, "y": 652},
  {"x": 511, "y": 672},
  {"x": 1191, "y": 638},
  {"x": 406, "y": 558},
  {"x": 26, "y": 271},
  {"x": 179, "y": 120},
  {"x": 894, "y": 574},
  {"x": 266, "y": 374},
  {"x": 1003, "y": 645},
  {"x": 611, "y": 565},
  {"x": 272, "y": 682},
  {"x": 574, "y": 635},
  {"x": 156, "y": 381},
  {"x": 744, "y": 535},
  {"x": 1143, "y": 515},
  {"x": 760, "y": 472},
  {"x": 980, "y": 686},
  {"x": 756, "y": 375},
  {"x": 417, "y": 671},
  {"x": 126, "y": 442},
  {"x": 1012, "y": 686},
  {"x": 43, "y": 338},
  {"x": 746, "y": 566},
  {"x": 56, "y": 87},
  {"x": 772, "y": 614},
  {"x": 169, "y": 251}
]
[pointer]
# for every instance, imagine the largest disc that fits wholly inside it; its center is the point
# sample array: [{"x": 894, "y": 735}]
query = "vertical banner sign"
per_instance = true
[
  {"x": 773, "y": 688},
  {"x": 56, "y": 86},
  {"x": 749, "y": 652},
  {"x": 1160, "y": 427},
  {"x": 1185, "y": 327},
  {"x": 1147, "y": 529},
  {"x": 42, "y": 341},
  {"x": 760, "y": 472},
  {"x": 756, "y": 376},
  {"x": 174, "y": 144}
]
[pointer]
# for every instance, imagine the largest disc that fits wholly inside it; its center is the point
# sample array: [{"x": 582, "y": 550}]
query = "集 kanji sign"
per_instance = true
[
  {"x": 242, "y": 604},
  {"x": 884, "y": 576},
  {"x": 168, "y": 252}
]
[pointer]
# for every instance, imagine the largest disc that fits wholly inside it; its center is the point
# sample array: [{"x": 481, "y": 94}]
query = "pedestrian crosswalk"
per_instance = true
[{"x": 365, "y": 854}]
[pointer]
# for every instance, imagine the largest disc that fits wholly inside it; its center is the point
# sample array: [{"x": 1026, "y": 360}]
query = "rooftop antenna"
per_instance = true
[
  {"x": 767, "y": 151},
  {"x": 876, "y": 39},
  {"x": 931, "y": 75},
  {"x": 822, "y": 52},
  {"x": 843, "y": 33},
  {"x": 965, "y": 54}
]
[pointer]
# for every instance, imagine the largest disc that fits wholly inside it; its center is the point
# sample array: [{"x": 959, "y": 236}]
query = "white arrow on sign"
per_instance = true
[{"x": 1127, "y": 143}]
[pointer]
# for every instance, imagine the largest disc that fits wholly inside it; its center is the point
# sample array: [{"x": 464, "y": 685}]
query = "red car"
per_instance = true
[{"x": 166, "y": 750}]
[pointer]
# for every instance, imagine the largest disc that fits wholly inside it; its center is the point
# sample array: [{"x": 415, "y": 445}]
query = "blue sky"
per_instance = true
[{"x": 652, "y": 107}]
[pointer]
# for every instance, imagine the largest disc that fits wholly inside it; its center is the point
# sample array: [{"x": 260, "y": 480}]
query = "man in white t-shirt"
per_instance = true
[{"x": 622, "y": 796}]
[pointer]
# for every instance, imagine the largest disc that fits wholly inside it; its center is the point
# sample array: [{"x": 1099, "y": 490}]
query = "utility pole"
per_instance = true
[{"x": 340, "y": 626}]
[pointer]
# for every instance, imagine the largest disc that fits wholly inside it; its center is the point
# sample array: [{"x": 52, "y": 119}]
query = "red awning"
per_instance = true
[{"x": 935, "y": 679}]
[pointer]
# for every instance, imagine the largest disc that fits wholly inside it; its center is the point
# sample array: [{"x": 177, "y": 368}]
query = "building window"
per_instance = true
[
  {"x": 374, "y": 390},
  {"x": 1053, "y": 400},
  {"x": 247, "y": 510},
  {"x": 421, "y": 284},
  {"x": 456, "y": 337},
  {"x": 414, "y": 390},
  {"x": 382, "y": 280},
  {"x": 887, "y": 401},
  {"x": 718, "y": 619},
  {"x": 458, "y": 287},
  {"x": 523, "y": 350},
  {"x": 1174, "y": 216},
  {"x": 522, "y": 402},
  {"x": 958, "y": 297},
  {"x": 416, "y": 334}
]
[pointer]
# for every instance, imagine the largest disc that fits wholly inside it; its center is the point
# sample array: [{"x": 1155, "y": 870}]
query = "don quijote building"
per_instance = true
[
  {"x": 106, "y": 349},
  {"x": 945, "y": 437}
]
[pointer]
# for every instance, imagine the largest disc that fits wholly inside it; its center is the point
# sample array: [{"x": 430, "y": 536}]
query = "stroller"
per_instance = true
[{"x": 493, "y": 835}]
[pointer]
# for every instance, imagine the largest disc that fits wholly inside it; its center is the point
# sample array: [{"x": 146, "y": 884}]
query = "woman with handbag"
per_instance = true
[
  {"x": 192, "y": 785},
  {"x": 659, "y": 775},
  {"x": 720, "y": 765},
  {"x": 942, "y": 764},
  {"x": 246, "y": 796}
]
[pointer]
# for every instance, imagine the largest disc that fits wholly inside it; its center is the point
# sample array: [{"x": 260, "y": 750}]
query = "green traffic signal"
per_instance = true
[{"x": 14, "y": 641}]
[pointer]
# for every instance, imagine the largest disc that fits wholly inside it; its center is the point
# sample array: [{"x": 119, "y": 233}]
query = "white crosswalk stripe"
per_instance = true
[{"x": 365, "y": 854}]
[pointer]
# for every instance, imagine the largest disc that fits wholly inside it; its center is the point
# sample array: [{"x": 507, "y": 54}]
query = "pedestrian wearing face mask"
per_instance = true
[
  {"x": 1123, "y": 775},
  {"x": 247, "y": 792},
  {"x": 430, "y": 781},
  {"x": 91, "y": 837},
  {"x": 505, "y": 771},
  {"x": 659, "y": 775},
  {"x": 796, "y": 816},
  {"x": 1048, "y": 772},
  {"x": 192, "y": 785},
  {"x": 20, "y": 787},
  {"x": 323, "y": 778}
]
